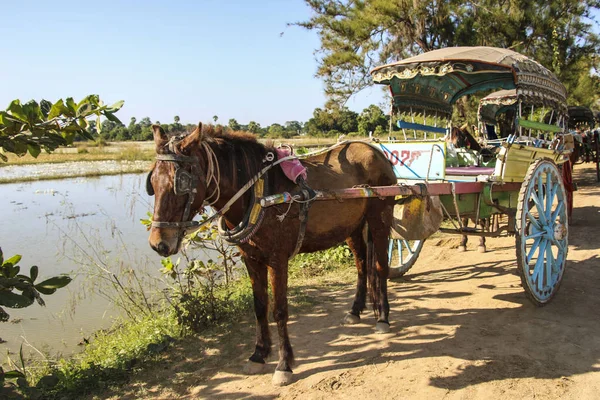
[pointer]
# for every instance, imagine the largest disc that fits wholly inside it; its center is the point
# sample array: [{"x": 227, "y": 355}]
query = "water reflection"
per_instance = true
[{"x": 54, "y": 224}]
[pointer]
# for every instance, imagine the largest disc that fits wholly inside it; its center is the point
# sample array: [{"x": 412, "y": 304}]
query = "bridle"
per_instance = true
[{"x": 186, "y": 183}]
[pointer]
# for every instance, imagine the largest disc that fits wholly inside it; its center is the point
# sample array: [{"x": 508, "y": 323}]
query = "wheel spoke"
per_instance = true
[
  {"x": 558, "y": 210},
  {"x": 408, "y": 247},
  {"x": 533, "y": 220},
  {"x": 559, "y": 244},
  {"x": 534, "y": 247},
  {"x": 549, "y": 195},
  {"x": 539, "y": 265},
  {"x": 540, "y": 208},
  {"x": 549, "y": 264},
  {"x": 535, "y": 235},
  {"x": 400, "y": 256}
]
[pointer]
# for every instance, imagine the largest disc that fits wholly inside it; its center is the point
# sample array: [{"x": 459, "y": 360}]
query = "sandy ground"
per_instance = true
[{"x": 462, "y": 328}]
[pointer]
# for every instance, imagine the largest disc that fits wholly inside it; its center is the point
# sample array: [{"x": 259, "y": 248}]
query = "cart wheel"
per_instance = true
[
  {"x": 542, "y": 231},
  {"x": 402, "y": 255}
]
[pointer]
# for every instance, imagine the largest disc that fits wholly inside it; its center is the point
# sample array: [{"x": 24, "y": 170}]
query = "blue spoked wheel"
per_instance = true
[
  {"x": 402, "y": 255},
  {"x": 542, "y": 231}
]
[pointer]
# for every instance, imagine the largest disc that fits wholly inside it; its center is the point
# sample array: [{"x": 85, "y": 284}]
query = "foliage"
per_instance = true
[
  {"x": 11, "y": 282},
  {"x": 33, "y": 127},
  {"x": 203, "y": 293},
  {"x": 325, "y": 121},
  {"x": 318, "y": 264},
  {"x": 357, "y": 36}
]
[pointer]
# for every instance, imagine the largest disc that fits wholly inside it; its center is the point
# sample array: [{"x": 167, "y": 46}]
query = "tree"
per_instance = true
[
  {"x": 215, "y": 118},
  {"x": 371, "y": 118},
  {"x": 359, "y": 35},
  {"x": 254, "y": 127},
  {"x": 294, "y": 127},
  {"x": 234, "y": 125},
  {"x": 176, "y": 119}
]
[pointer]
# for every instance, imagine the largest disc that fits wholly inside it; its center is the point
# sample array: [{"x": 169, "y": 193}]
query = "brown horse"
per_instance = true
[{"x": 363, "y": 223}]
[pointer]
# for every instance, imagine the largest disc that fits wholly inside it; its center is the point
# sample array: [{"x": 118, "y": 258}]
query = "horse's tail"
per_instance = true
[{"x": 372, "y": 278}]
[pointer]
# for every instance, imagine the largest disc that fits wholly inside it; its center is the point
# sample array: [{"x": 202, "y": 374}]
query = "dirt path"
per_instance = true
[{"x": 461, "y": 328}]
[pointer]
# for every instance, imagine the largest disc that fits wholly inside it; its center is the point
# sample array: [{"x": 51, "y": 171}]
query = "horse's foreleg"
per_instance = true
[
  {"x": 359, "y": 249},
  {"x": 464, "y": 239},
  {"x": 257, "y": 271},
  {"x": 279, "y": 285}
]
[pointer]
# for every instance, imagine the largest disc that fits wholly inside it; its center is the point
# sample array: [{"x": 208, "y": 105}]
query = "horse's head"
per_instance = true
[{"x": 179, "y": 183}]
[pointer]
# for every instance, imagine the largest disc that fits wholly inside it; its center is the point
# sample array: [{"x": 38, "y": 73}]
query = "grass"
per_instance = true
[
  {"x": 114, "y": 355},
  {"x": 88, "y": 152}
]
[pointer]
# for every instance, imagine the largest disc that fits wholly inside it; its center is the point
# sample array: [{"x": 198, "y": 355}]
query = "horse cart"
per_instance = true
[
  {"x": 523, "y": 183},
  {"x": 587, "y": 144}
]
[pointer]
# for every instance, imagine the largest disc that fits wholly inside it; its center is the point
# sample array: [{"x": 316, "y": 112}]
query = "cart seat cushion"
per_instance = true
[{"x": 469, "y": 171}]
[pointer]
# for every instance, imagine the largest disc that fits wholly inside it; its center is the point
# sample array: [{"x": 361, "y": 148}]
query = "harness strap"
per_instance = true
[{"x": 309, "y": 195}]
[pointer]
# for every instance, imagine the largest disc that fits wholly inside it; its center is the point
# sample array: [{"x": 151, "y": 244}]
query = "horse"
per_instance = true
[
  {"x": 220, "y": 163},
  {"x": 461, "y": 138}
]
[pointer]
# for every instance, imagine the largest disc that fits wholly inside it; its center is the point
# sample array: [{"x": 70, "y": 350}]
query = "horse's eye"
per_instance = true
[{"x": 149, "y": 188}]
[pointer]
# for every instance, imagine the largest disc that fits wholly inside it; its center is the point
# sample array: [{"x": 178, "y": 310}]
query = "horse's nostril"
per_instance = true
[{"x": 162, "y": 249}]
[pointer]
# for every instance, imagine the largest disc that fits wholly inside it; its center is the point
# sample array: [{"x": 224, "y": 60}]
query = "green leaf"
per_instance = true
[
  {"x": 16, "y": 110},
  {"x": 98, "y": 124},
  {"x": 13, "y": 374},
  {"x": 72, "y": 107},
  {"x": 45, "y": 107},
  {"x": 58, "y": 109},
  {"x": 33, "y": 273},
  {"x": 1, "y": 256},
  {"x": 116, "y": 107},
  {"x": 56, "y": 282},
  {"x": 34, "y": 149},
  {"x": 32, "y": 111},
  {"x": 13, "y": 260},
  {"x": 13, "y": 300},
  {"x": 111, "y": 117}
]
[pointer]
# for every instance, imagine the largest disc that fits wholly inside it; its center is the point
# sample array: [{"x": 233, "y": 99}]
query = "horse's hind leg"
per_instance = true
[
  {"x": 279, "y": 284},
  {"x": 257, "y": 270},
  {"x": 485, "y": 226},
  {"x": 378, "y": 265},
  {"x": 359, "y": 249},
  {"x": 464, "y": 239}
]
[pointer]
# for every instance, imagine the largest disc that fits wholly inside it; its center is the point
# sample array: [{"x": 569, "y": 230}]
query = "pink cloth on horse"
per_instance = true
[{"x": 291, "y": 168}]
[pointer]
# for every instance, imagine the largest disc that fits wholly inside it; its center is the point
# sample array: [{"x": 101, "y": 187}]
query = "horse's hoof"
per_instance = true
[
  {"x": 350, "y": 319},
  {"x": 382, "y": 327},
  {"x": 481, "y": 249},
  {"x": 462, "y": 248},
  {"x": 254, "y": 368},
  {"x": 282, "y": 378}
]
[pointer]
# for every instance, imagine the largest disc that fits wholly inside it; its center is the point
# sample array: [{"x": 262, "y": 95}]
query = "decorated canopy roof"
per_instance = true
[
  {"x": 580, "y": 115},
  {"x": 496, "y": 103},
  {"x": 434, "y": 80}
]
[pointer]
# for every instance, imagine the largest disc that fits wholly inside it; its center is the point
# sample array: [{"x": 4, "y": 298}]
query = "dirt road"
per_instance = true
[{"x": 461, "y": 328}]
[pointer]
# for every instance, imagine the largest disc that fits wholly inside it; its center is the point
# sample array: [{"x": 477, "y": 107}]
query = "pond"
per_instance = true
[{"x": 78, "y": 226}]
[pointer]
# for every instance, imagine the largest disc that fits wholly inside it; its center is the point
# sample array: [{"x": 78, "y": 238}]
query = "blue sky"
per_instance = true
[{"x": 189, "y": 58}]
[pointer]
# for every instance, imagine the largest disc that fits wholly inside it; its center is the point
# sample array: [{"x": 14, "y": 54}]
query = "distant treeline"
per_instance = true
[{"x": 324, "y": 123}]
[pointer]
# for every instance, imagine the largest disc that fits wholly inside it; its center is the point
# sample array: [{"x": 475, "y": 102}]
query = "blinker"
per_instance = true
[
  {"x": 149, "y": 188},
  {"x": 183, "y": 182}
]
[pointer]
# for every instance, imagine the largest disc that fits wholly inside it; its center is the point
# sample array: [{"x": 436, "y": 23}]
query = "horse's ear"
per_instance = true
[
  {"x": 196, "y": 136},
  {"x": 160, "y": 137}
]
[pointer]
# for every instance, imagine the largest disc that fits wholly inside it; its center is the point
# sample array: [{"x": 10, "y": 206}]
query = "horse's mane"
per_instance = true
[{"x": 245, "y": 153}]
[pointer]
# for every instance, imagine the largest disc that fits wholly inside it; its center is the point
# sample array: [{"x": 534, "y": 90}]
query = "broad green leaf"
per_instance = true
[
  {"x": 58, "y": 109},
  {"x": 34, "y": 149},
  {"x": 13, "y": 260},
  {"x": 98, "y": 124},
  {"x": 56, "y": 282},
  {"x": 116, "y": 107},
  {"x": 84, "y": 110},
  {"x": 13, "y": 300},
  {"x": 3, "y": 315},
  {"x": 111, "y": 117},
  {"x": 45, "y": 107},
  {"x": 33, "y": 273},
  {"x": 16, "y": 110},
  {"x": 32, "y": 111},
  {"x": 46, "y": 291},
  {"x": 72, "y": 107}
]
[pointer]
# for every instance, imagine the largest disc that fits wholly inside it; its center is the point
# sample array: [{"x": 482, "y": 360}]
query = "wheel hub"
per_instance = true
[{"x": 560, "y": 231}]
